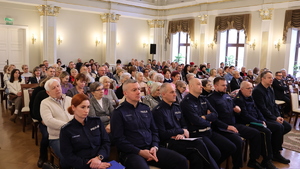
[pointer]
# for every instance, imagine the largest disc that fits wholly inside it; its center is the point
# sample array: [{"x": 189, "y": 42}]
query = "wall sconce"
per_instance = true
[
  {"x": 59, "y": 40},
  {"x": 97, "y": 41},
  {"x": 277, "y": 44},
  {"x": 211, "y": 45},
  {"x": 252, "y": 45},
  {"x": 194, "y": 44},
  {"x": 145, "y": 45},
  {"x": 33, "y": 40}
]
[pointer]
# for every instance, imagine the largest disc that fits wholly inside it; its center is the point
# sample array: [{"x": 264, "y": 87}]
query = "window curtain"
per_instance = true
[
  {"x": 181, "y": 26},
  {"x": 238, "y": 22},
  {"x": 292, "y": 20}
]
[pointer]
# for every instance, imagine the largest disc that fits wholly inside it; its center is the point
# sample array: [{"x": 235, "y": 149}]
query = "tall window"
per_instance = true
[
  {"x": 232, "y": 47},
  {"x": 295, "y": 53},
  {"x": 181, "y": 48}
]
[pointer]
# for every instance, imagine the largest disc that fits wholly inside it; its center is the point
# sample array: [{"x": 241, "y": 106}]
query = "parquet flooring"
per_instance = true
[{"x": 18, "y": 149}]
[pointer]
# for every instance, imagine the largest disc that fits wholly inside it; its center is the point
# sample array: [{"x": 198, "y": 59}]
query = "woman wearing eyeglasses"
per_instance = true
[
  {"x": 100, "y": 106},
  {"x": 180, "y": 89}
]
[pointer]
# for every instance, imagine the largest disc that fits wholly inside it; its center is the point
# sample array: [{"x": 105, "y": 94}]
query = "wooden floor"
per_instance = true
[{"x": 18, "y": 149}]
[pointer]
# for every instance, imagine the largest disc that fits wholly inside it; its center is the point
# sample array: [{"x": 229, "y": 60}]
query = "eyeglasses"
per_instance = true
[
  {"x": 249, "y": 88},
  {"x": 99, "y": 89}
]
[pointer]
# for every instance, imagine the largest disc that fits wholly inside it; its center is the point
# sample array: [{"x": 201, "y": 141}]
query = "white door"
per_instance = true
[{"x": 12, "y": 46}]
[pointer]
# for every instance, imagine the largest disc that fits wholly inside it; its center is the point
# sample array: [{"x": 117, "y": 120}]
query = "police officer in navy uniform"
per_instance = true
[
  {"x": 84, "y": 143},
  {"x": 199, "y": 114},
  {"x": 251, "y": 116},
  {"x": 227, "y": 126},
  {"x": 136, "y": 135},
  {"x": 172, "y": 131},
  {"x": 264, "y": 98}
]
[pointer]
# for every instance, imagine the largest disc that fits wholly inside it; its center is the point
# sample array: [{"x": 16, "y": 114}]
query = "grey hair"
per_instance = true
[
  {"x": 127, "y": 82},
  {"x": 49, "y": 83},
  {"x": 189, "y": 75},
  {"x": 102, "y": 78},
  {"x": 159, "y": 77},
  {"x": 124, "y": 75},
  {"x": 151, "y": 73},
  {"x": 180, "y": 83},
  {"x": 137, "y": 74},
  {"x": 154, "y": 87},
  {"x": 94, "y": 86}
]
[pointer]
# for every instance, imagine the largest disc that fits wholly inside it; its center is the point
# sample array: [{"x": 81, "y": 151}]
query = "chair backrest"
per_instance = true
[
  {"x": 27, "y": 90},
  {"x": 2, "y": 79},
  {"x": 294, "y": 101},
  {"x": 143, "y": 91}
]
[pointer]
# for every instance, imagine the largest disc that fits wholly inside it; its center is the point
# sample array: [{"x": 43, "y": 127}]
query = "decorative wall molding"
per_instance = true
[
  {"x": 48, "y": 10},
  {"x": 266, "y": 13},
  {"x": 156, "y": 23},
  {"x": 110, "y": 17}
]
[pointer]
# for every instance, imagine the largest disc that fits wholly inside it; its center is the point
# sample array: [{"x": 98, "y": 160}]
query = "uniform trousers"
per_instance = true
[
  {"x": 278, "y": 130},
  {"x": 44, "y": 142},
  {"x": 248, "y": 133},
  {"x": 219, "y": 146},
  {"x": 266, "y": 146},
  {"x": 195, "y": 151},
  {"x": 167, "y": 159}
]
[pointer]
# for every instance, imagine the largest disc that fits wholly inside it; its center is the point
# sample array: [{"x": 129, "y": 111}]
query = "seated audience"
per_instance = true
[
  {"x": 185, "y": 71},
  {"x": 213, "y": 74},
  {"x": 54, "y": 115},
  {"x": 119, "y": 91},
  {"x": 108, "y": 93},
  {"x": 137, "y": 138},
  {"x": 36, "y": 76},
  {"x": 180, "y": 89},
  {"x": 175, "y": 77},
  {"x": 15, "y": 93},
  {"x": 74, "y": 73},
  {"x": 58, "y": 71},
  {"x": 26, "y": 74},
  {"x": 80, "y": 83},
  {"x": 167, "y": 75},
  {"x": 139, "y": 78},
  {"x": 64, "y": 81},
  {"x": 227, "y": 126},
  {"x": 235, "y": 81},
  {"x": 132, "y": 71},
  {"x": 84, "y": 142},
  {"x": 264, "y": 99},
  {"x": 159, "y": 78},
  {"x": 287, "y": 77},
  {"x": 118, "y": 74},
  {"x": 199, "y": 115},
  {"x": 250, "y": 76},
  {"x": 202, "y": 72},
  {"x": 220, "y": 72},
  {"x": 243, "y": 72},
  {"x": 146, "y": 75},
  {"x": 153, "y": 98},
  {"x": 251, "y": 116},
  {"x": 207, "y": 87},
  {"x": 172, "y": 131},
  {"x": 229, "y": 74}
]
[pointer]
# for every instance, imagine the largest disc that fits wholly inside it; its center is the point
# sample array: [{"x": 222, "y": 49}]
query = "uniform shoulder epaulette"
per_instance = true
[
  {"x": 176, "y": 104},
  {"x": 66, "y": 125},
  {"x": 120, "y": 105},
  {"x": 209, "y": 94}
]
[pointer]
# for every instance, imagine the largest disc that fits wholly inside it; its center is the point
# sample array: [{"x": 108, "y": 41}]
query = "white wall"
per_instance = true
[{"x": 131, "y": 34}]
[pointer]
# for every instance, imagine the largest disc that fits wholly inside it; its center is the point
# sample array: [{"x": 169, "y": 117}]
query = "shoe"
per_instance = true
[
  {"x": 40, "y": 163},
  {"x": 13, "y": 117},
  {"x": 279, "y": 158},
  {"x": 254, "y": 164},
  {"x": 268, "y": 165}
]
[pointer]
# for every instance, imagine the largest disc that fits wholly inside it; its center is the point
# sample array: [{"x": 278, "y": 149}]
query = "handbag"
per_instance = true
[
  {"x": 48, "y": 165},
  {"x": 12, "y": 96}
]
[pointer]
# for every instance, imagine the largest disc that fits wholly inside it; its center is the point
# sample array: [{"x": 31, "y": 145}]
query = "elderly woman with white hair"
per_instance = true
[
  {"x": 139, "y": 77},
  {"x": 159, "y": 78},
  {"x": 123, "y": 78},
  {"x": 153, "y": 98},
  {"x": 108, "y": 93},
  {"x": 152, "y": 73}
]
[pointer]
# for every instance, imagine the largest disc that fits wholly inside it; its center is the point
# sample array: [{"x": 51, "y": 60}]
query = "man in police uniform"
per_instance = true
[
  {"x": 226, "y": 125},
  {"x": 264, "y": 98},
  {"x": 251, "y": 116},
  {"x": 199, "y": 114},
  {"x": 136, "y": 135},
  {"x": 172, "y": 131}
]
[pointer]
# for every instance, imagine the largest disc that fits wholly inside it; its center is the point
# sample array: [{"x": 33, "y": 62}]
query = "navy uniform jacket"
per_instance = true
[
  {"x": 168, "y": 120},
  {"x": 133, "y": 128},
  {"x": 79, "y": 144},
  {"x": 193, "y": 108},
  {"x": 224, "y": 105},
  {"x": 265, "y": 100},
  {"x": 280, "y": 89},
  {"x": 249, "y": 111}
]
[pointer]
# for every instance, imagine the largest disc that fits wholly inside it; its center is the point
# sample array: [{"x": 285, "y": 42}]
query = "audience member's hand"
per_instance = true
[
  {"x": 147, "y": 155},
  {"x": 280, "y": 120},
  {"x": 208, "y": 112},
  {"x": 179, "y": 137},
  {"x": 264, "y": 123},
  {"x": 19, "y": 94},
  {"x": 104, "y": 165},
  {"x": 237, "y": 109},
  {"x": 186, "y": 133},
  {"x": 153, "y": 151},
  {"x": 232, "y": 128},
  {"x": 94, "y": 162},
  {"x": 203, "y": 117},
  {"x": 107, "y": 128}
]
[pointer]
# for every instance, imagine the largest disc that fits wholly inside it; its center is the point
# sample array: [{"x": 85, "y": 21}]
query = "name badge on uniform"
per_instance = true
[
  {"x": 144, "y": 111},
  {"x": 128, "y": 115},
  {"x": 177, "y": 112},
  {"x": 203, "y": 102},
  {"x": 75, "y": 136},
  {"x": 94, "y": 128}
]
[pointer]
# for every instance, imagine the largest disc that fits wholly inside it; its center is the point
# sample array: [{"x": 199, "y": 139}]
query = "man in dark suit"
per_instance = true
[
  {"x": 235, "y": 81},
  {"x": 281, "y": 91},
  {"x": 264, "y": 99}
]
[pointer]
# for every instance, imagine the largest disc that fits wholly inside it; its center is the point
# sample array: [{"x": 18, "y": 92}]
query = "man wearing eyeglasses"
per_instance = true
[
  {"x": 252, "y": 117},
  {"x": 264, "y": 98},
  {"x": 281, "y": 91}
]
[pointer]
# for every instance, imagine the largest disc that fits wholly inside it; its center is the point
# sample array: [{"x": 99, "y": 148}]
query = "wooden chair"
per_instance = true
[
  {"x": 26, "y": 94},
  {"x": 35, "y": 130},
  {"x": 143, "y": 91},
  {"x": 53, "y": 156},
  {"x": 295, "y": 107}
]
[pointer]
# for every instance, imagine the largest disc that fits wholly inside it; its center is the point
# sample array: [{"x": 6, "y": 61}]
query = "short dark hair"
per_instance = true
[
  {"x": 204, "y": 82},
  {"x": 93, "y": 87},
  {"x": 276, "y": 73},
  {"x": 217, "y": 79},
  {"x": 174, "y": 73},
  {"x": 262, "y": 74}
]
